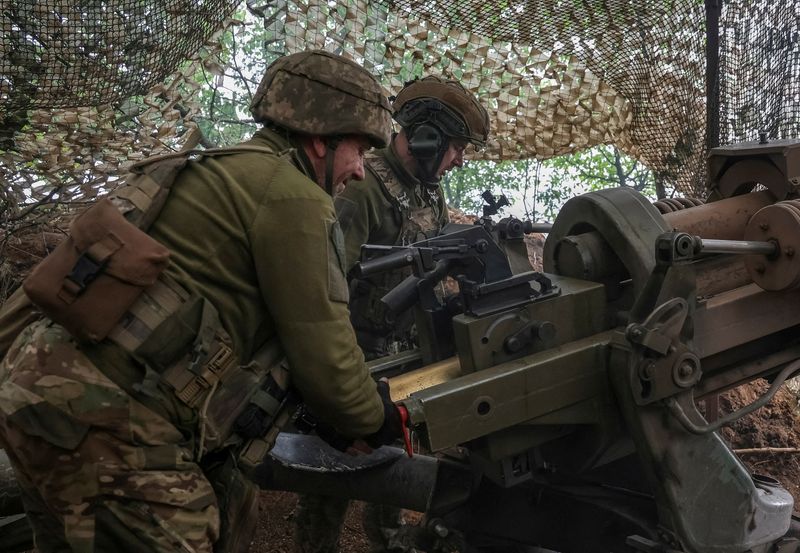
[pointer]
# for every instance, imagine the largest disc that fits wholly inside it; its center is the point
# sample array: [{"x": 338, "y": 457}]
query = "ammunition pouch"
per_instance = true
[
  {"x": 106, "y": 281},
  {"x": 91, "y": 279},
  {"x": 179, "y": 335}
]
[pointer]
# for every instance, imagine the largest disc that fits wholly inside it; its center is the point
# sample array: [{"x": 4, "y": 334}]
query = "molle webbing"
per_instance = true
[
  {"x": 156, "y": 303},
  {"x": 201, "y": 366},
  {"x": 149, "y": 181},
  {"x": 416, "y": 223},
  {"x": 202, "y": 361}
]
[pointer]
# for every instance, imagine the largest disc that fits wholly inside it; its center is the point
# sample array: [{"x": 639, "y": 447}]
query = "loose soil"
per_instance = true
[
  {"x": 775, "y": 425},
  {"x": 274, "y": 534}
]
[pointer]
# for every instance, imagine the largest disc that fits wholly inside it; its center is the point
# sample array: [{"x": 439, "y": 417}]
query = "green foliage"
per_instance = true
[
  {"x": 605, "y": 166},
  {"x": 463, "y": 187},
  {"x": 230, "y": 82},
  {"x": 538, "y": 189}
]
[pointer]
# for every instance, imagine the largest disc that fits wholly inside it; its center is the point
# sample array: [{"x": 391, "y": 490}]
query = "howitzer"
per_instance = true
[
  {"x": 568, "y": 417},
  {"x": 560, "y": 410}
]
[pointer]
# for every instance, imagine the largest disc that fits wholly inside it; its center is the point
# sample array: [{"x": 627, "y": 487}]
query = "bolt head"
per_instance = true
[
  {"x": 544, "y": 331},
  {"x": 647, "y": 370},
  {"x": 513, "y": 344}
]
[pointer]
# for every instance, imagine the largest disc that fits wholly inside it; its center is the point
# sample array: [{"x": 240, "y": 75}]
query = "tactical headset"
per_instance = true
[{"x": 429, "y": 126}]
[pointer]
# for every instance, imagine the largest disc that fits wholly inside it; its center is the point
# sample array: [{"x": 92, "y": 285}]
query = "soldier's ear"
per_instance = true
[{"x": 319, "y": 146}]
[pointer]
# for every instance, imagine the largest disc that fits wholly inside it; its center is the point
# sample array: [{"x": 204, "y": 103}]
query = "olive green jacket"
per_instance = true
[{"x": 253, "y": 234}]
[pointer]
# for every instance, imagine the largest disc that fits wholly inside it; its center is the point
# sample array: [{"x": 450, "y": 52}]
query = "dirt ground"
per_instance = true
[
  {"x": 274, "y": 533},
  {"x": 776, "y": 425}
]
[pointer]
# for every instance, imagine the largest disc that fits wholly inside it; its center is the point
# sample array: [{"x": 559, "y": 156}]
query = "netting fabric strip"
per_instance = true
[
  {"x": 759, "y": 70},
  {"x": 67, "y": 53},
  {"x": 557, "y": 76}
]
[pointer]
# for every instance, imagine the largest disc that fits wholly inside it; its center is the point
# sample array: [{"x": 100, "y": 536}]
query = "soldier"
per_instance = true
[
  {"x": 110, "y": 447},
  {"x": 399, "y": 202}
]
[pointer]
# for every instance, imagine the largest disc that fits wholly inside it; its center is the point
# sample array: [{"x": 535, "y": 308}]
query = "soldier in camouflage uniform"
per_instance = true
[
  {"x": 109, "y": 456},
  {"x": 399, "y": 202}
]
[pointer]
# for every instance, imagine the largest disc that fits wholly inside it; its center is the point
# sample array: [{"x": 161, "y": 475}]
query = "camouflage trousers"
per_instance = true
[
  {"x": 98, "y": 470},
  {"x": 319, "y": 520}
]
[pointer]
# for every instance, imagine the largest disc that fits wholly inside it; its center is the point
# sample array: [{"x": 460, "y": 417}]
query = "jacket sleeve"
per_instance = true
[{"x": 299, "y": 258}]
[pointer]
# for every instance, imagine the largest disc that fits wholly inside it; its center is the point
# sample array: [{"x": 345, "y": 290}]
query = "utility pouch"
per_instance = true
[
  {"x": 255, "y": 449},
  {"x": 91, "y": 279},
  {"x": 252, "y": 403}
]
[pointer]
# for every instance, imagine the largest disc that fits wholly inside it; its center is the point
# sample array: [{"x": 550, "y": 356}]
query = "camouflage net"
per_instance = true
[
  {"x": 759, "y": 70},
  {"x": 97, "y": 54},
  {"x": 557, "y": 76}
]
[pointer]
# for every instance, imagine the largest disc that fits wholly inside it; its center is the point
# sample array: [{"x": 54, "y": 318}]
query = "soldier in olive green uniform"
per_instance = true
[
  {"x": 109, "y": 451},
  {"x": 399, "y": 202}
]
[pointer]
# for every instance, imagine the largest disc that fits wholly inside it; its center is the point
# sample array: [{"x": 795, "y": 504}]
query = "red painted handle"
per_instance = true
[{"x": 406, "y": 431}]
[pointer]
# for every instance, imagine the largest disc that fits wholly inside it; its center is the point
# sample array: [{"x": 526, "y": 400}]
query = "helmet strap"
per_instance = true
[{"x": 330, "y": 153}]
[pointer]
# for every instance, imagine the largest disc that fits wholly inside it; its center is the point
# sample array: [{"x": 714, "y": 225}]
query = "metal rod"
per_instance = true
[
  {"x": 541, "y": 228},
  {"x": 383, "y": 365},
  {"x": 677, "y": 409},
  {"x": 709, "y": 245}
]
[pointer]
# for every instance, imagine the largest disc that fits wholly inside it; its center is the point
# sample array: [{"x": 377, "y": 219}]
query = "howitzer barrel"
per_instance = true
[{"x": 641, "y": 321}]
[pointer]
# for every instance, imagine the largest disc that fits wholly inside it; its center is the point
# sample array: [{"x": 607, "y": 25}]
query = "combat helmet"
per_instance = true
[
  {"x": 319, "y": 93},
  {"x": 434, "y": 111}
]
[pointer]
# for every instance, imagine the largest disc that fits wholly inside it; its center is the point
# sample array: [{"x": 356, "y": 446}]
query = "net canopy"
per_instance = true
[{"x": 557, "y": 76}]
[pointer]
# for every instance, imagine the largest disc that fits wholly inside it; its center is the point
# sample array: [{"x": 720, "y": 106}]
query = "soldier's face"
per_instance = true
[
  {"x": 348, "y": 161},
  {"x": 453, "y": 157}
]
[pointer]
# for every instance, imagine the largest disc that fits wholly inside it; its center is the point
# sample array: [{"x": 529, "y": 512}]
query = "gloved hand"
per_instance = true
[{"x": 392, "y": 427}]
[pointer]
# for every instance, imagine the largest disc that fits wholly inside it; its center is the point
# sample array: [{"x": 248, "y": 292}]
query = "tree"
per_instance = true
[
  {"x": 543, "y": 186},
  {"x": 463, "y": 187}
]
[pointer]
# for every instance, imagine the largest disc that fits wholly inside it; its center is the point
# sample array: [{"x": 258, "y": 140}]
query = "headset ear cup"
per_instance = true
[{"x": 425, "y": 141}]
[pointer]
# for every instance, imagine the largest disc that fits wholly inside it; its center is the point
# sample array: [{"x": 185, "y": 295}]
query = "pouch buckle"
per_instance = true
[{"x": 205, "y": 373}]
